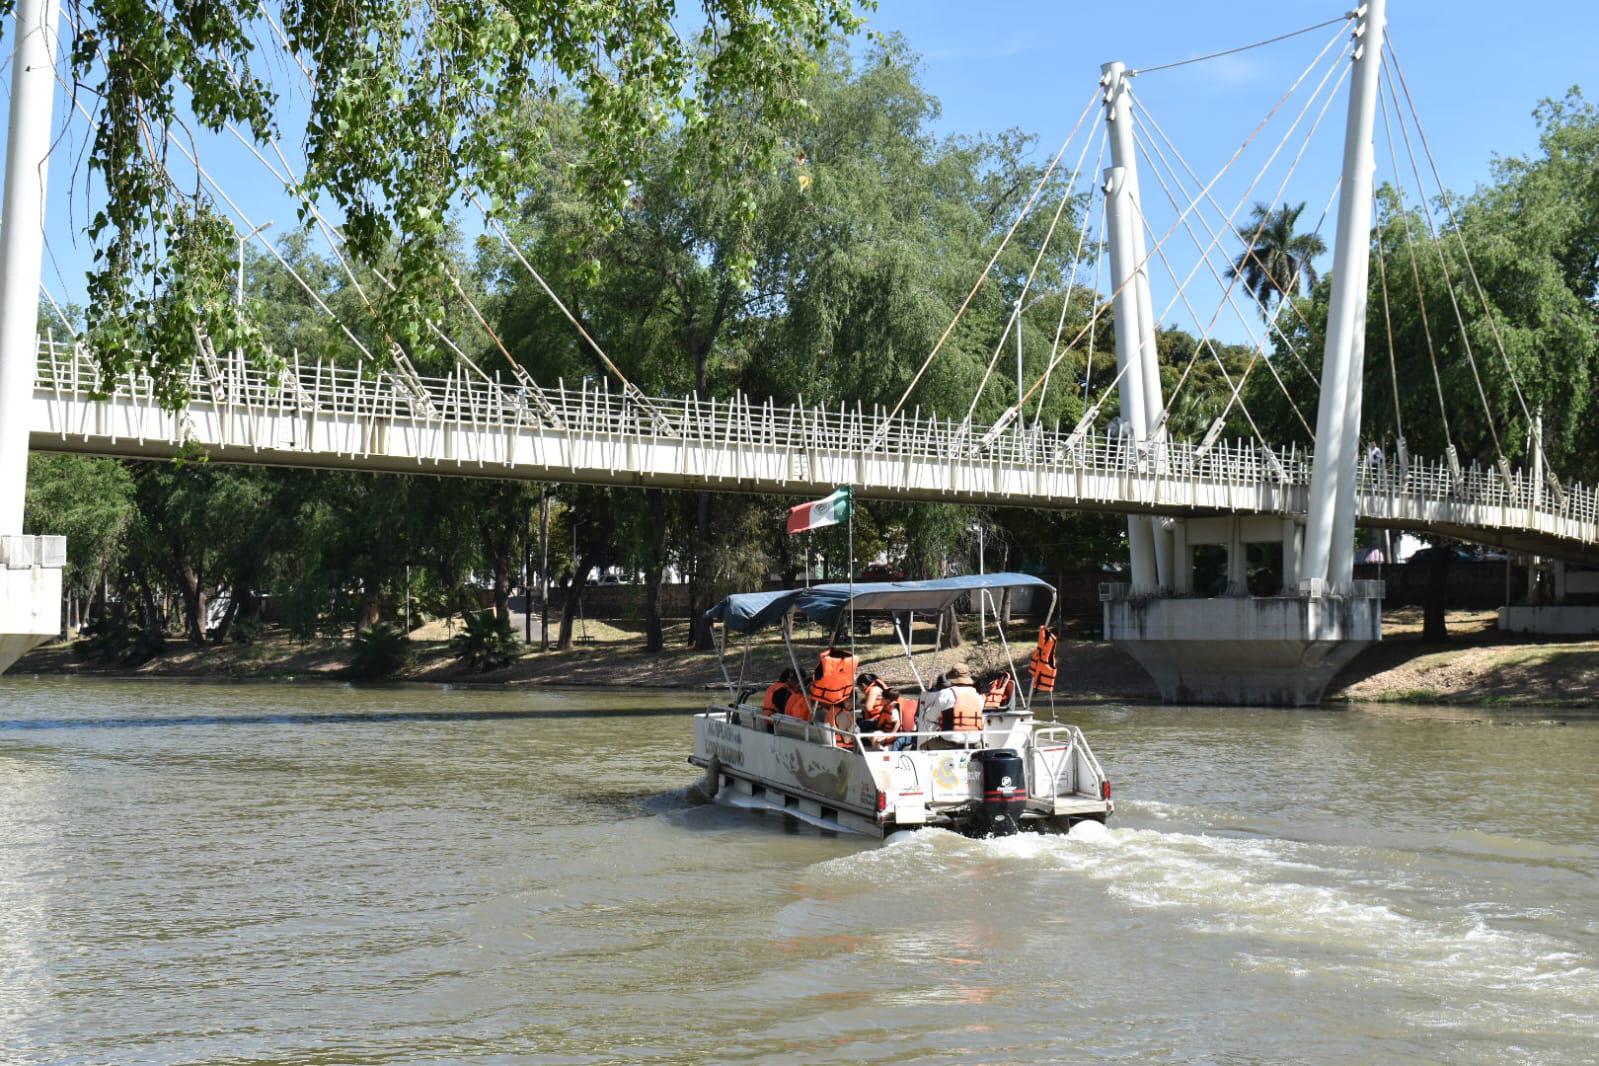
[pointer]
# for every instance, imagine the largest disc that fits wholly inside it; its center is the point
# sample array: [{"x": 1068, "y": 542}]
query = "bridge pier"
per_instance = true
[
  {"x": 30, "y": 567},
  {"x": 1242, "y": 647},
  {"x": 30, "y": 593},
  {"x": 1275, "y": 651}
]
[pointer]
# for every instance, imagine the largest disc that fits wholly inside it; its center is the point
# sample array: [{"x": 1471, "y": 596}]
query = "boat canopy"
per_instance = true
[{"x": 747, "y": 612}]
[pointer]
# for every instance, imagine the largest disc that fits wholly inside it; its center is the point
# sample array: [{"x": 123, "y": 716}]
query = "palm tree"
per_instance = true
[{"x": 1276, "y": 262}]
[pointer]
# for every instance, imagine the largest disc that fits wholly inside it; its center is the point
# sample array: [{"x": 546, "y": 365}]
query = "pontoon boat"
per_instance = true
[{"x": 815, "y": 764}]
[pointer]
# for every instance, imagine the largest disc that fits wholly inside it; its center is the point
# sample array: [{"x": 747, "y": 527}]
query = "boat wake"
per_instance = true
[{"x": 1286, "y": 908}]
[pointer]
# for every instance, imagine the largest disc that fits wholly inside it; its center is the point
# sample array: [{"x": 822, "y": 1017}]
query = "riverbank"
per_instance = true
[{"x": 1479, "y": 666}]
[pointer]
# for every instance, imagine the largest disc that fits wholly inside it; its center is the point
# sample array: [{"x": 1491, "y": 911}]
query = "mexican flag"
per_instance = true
[{"x": 828, "y": 512}]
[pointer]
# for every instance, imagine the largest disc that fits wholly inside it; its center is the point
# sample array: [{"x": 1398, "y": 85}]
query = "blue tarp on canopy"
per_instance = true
[
  {"x": 745, "y": 612},
  {"x": 750, "y": 611}
]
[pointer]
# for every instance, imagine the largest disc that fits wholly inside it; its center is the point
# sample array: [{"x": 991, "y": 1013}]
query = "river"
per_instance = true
[{"x": 285, "y": 873}]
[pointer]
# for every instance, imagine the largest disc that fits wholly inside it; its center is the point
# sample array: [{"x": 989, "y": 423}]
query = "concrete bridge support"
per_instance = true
[
  {"x": 30, "y": 593},
  {"x": 30, "y": 567},
  {"x": 1279, "y": 649}
]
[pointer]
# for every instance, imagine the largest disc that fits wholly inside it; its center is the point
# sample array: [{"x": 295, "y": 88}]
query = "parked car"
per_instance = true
[{"x": 880, "y": 572}]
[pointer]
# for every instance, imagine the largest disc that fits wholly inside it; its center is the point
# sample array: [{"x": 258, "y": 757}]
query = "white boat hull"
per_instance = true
[{"x": 801, "y": 771}]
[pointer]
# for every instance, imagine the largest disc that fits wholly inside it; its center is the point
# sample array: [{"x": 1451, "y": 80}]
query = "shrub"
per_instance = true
[
  {"x": 246, "y": 630},
  {"x": 381, "y": 650},
  {"x": 486, "y": 643},
  {"x": 113, "y": 639}
]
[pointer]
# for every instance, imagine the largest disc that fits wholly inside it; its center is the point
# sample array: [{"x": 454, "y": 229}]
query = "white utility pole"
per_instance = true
[
  {"x": 33, "y": 87},
  {"x": 1330, "y": 526},
  {"x": 982, "y": 617},
  {"x": 1135, "y": 313}
]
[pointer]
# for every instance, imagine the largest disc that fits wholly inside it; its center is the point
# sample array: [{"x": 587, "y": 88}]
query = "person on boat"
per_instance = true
[
  {"x": 879, "y": 708},
  {"x": 954, "y": 710},
  {"x": 784, "y": 692},
  {"x": 834, "y": 679},
  {"x": 997, "y": 691}
]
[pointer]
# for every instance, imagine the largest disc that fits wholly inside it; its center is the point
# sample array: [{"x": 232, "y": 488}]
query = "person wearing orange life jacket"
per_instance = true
[
  {"x": 878, "y": 705},
  {"x": 781, "y": 695},
  {"x": 1042, "y": 663},
  {"x": 954, "y": 710},
  {"x": 832, "y": 686},
  {"x": 834, "y": 678},
  {"x": 997, "y": 693}
]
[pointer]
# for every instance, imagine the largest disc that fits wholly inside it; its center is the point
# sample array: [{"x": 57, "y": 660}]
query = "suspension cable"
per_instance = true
[
  {"x": 1388, "y": 324},
  {"x": 628, "y": 388},
  {"x": 1415, "y": 272},
  {"x": 1493, "y": 323},
  {"x": 1449, "y": 284},
  {"x": 1140, "y": 266},
  {"x": 291, "y": 181},
  {"x": 1071, "y": 281},
  {"x": 1270, "y": 316},
  {"x": 1227, "y": 216},
  {"x": 981, "y": 278},
  {"x": 1344, "y": 18},
  {"x": 1043, "y": 247},
  {"x": 1220, "y": 365}
]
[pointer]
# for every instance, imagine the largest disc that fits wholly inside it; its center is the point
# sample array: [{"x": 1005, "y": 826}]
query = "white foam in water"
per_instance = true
[
  {"x": 1300, "y": 907},
  {"x": 1088, "y": 830}
]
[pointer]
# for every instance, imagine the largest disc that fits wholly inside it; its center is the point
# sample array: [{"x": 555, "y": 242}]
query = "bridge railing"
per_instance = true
[{"x": 469, "y": 398}]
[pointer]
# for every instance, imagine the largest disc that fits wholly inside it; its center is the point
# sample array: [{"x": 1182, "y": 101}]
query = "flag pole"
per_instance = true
[{"x": 849, "y": 517}]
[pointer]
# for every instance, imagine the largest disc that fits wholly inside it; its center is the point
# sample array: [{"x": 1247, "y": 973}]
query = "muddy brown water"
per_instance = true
[{"x": 260, "y": 873}]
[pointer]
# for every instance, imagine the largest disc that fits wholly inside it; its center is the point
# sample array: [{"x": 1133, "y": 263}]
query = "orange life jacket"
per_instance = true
[
  {"x": 835, "y": 677},
  {"x": 1042, "y": 664},
  {"x": 907, "y": 714},
  {"x": 876, "y": 708},
  {"x": 998, "y": 693},
  {"x": 777, "y": 697},
  {"x": 967, "y": 714}
]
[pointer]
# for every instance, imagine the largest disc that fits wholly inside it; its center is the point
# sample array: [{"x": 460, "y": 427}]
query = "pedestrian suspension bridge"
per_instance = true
[{"x": 372, "y": 410}]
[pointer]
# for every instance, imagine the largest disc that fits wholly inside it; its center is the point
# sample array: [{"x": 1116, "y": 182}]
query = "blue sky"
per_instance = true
[{"x": 1476, "y": 69}]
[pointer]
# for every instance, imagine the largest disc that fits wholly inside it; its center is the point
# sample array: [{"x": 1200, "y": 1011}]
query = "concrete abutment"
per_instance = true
[
  {"x": 1275, "y": 651},
  {"x": 30, "y": 593}
]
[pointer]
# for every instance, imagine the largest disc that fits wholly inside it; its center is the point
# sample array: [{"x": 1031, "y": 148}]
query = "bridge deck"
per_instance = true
[{"x": 466, "y": 424}]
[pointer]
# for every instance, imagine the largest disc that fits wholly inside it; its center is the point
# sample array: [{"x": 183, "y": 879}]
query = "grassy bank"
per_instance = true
[{"x": 1478, "y": 667}]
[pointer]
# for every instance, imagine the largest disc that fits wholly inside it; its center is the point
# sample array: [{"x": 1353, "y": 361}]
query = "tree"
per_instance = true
[
  {"x": 1276, "y": 262},
  {"x": 90, "y": 502},
  {"x": 413, "y": 107}
]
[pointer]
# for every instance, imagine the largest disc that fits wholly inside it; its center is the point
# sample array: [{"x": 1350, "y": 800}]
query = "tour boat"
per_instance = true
[{"x": 816, "y": 765}]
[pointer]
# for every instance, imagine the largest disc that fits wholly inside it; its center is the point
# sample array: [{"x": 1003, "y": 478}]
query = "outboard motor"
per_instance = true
[{"x": 1004, "y": 792}]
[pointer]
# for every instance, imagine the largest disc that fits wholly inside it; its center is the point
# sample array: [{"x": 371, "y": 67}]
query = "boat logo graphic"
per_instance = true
[{"x": 814, "y": 777}]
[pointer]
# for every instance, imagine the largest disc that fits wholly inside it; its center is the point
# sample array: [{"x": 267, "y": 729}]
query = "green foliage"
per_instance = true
[
  {"x": 486, "y": 643},
  {"x": 414, "y": 107},
  {"x": 380, "y": 650},
  {"x": 112, "y": 638},
  {"x": 1276, "y": 262},
  {"x": 88, "y": 501}
]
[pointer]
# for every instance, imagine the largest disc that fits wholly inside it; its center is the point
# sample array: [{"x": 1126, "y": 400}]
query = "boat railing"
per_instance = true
[
  {"x": 1052, "y": 754},
  {"x": 750, "y": 717}
]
